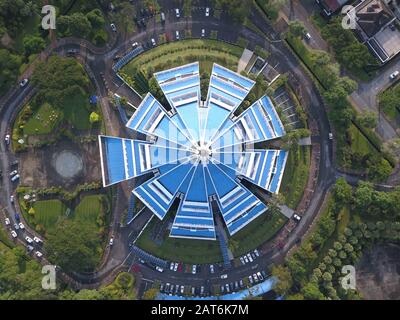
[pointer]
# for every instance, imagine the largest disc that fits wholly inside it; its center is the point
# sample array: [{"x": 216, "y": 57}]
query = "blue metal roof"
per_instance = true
[{"x": 198, "y": 150}]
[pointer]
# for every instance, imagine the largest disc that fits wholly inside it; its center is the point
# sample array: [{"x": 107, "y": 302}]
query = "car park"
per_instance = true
[
  {"x": 394, "y": 75},
  {"x": 7, "y": 139},
  {"x": 7, "y": 221},
  {"x": 21, "y": 226},
  {"x": 113, "y": 27},
  {"x": 207, "y": 11},
  {"x": 159, "y": 269},
  {"x": 23, "y": 83},
  {"x": 296, "y": 217},
  {"x": 28, "y": 239},
  {"x": 14, "y": 234}
]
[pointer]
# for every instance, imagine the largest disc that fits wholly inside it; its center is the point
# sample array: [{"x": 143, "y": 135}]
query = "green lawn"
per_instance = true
[
  {"x": 89, "y": 208},
  {"x": 258, "y": 231},
  {"x": 295, "y": 176},
  {"x": 47, "y": 212},
  {"x": 76, "y": 110},
  {"x": 359, "y": 143},
  {"x": 185, "y": 51},
  {"x": 183, "y": 250},
  {"x": 43, "y": 120}
]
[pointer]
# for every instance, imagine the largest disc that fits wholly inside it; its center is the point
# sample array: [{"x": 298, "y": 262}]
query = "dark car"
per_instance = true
[{"x": 17, "y": 217}]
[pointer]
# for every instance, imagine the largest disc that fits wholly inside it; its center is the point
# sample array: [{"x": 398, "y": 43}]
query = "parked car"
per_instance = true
[
  {"x": 167, "y": 287},
  {"x": 251, "y": 280},
  {"x": 207, "y": 11},
  {"x": 259, "y": 275},
  {"x": 256, "y": 252},
  {"x": 38, "y": 254},
  {"x": 201, "y": 290},
  {"x": 307, "y": 36},
  {"x": 135, "y": 45},
  {"x": 255, "y": 277},
  {"x": 12, "y": 199},
  {"x": 21, "y": 226},
  {"x": 172, "y": 288},
  {"x": 72, "y": 52},
  {"x": 222, "y": 288},
  {"x": 182, "y": 289},
  {"x": 203, "y": 33},
  {"x": 177, "y": 13},
  {"x": 16, "y": 216},
  {"x": 37, "y": 240},
  {"x": 162, "y": 287},
  {"x": 14, "y": 172},
  {"x": 111, "y": 242},
  {"x": 194, "y": 269},
  {"x": 7, "y": 139},
  {"x": 7, "y": 221},
  {"x": 224, "y": 276},
  {"x": 159, "y": 269},
  {"x": 242, "y": 260},
  {"x": 28, "y": 239},
  {"x": 227, "y": 288},
  {"x": 236, "y": 285},
  {"x": 162, "y": 17},
  {"x": 23, "y": 83},
  {"x": 193, "y": 291},
  {"x": 14, "y": 163},
  {"x": 250, "y": 257},
  {"x": 153, "y": 42},
  {"x": 330, "y": 135},
  {"x": 171, "y": 266},
  {"x": 241, "y": 284},
  {"x": 296, "y": 217},
  {"x": 245, "y": 259},
  {"x": 14, "y": 234},
  {"x": 29, "y": 248},
  {"x": 212, "y": 268},
  {"x": 176, "y": 266},
  {"x": 15, "y": 178},
  {"x": 394, "y": 75},
  {"x": 16, "y": 226},
  {"x": 264, "y": 274},
  {"x": 113, "y": 27},
  {"x": 177, "y": 35}
]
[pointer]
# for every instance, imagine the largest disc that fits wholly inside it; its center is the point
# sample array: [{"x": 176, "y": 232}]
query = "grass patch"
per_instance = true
[
  {"x": 43, "y": 121},
  {"x": 76, "y": 110},
  {"x": 258, "y": 231},
  {"x": 295, "y": 176},
  {"x": 184, "y": 250},
  {"x": 388, "y": 101},
  {"x": 242, "y": 42},
  {"x": 4, "y": 239},
  {"x": 214, "y": 34},
  {"x": 162, "y": 38},
  {"x": 89, "y": 208},
  {"x": 47, "y": 212}
]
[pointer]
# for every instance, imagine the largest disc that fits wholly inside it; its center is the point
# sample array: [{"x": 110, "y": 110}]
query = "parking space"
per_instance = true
[{"x": 284, "y": 102}]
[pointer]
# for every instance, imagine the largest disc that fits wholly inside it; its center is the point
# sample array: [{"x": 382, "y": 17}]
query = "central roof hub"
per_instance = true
[{"x": 203, "y": 151}]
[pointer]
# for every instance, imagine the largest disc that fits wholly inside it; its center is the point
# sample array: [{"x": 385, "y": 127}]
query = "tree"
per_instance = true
[
  {"x": 378, "y": 168},
  {"x": 79, "y": 25},
  {"x": 95, "y": 18},
  {"x": 33, "y": 44},
  {"x": 297, "y": 28},
  {"x": 368, "y": 119},
  {"x": 284, "y": 277},
  {"x": 74, "y": 246},
  {"x": 151, "y": 294},
  {"x": 94, "y": 117},
  {"x": 9, "y": 69},
  {"x": 311, "y": 292},
  {"x": 363, "y": 195},
  {"x": 342, "y": 191}
]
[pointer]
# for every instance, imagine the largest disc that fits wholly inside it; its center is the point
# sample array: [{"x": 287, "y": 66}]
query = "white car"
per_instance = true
[
  {"x": 135, "y": 45},
  {"x": 159, "y": 269},
  {"x": 171, "y": 266},
  {"x": 207, "y": 12},
  {"x": 250, "y": 258},
  {"x": 394, "y": 75},
  {"x": 23, "y": 83},
  {"x": 21, "y": 226},
  {"x": 177, "y": 13},
  {"x": 176, "y": 266},
  {"x": 194, "y": 269},
  {"x": 7, "y": 221},
  {"x": 296, "y": 217},
  {"x": 245, "y": 259},
  {"x": 330, "y": 135},
  {"x": 212, "y": 268},
  {"x": 14, "y": 172},
  {"x": 12, "y": 199},
  {"x": 15, "y": 178},
  {"x": 256, "y": 252},
  {"x": 111, "y": 242},
  {"x": 177, "y": 35},
  {"x": 251, "y": 280},
  {"x": 182, "y": 289},
  {"x": 242, "y": 260},
  {"x": 259, "y": 275},
  {"x": 224, "y": 276},
  {"x": 14, "y": 234},
  {"x": 307, "y": 36},
  {"x": 38, "y": 254},
  {"x": 113, "y": 27},
  {"x": 153, "y": 42},
  {"x": 37, "y": 240},
  {"x": 255, "y": 277},
  {"x": 7, "y": 139},
  {"x": 203, "y": 33},
  {"x": 29, "y": 240}
]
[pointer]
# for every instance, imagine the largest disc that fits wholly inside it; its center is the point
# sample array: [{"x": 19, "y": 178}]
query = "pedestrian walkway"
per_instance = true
[{"x": 244, "y": 60}]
